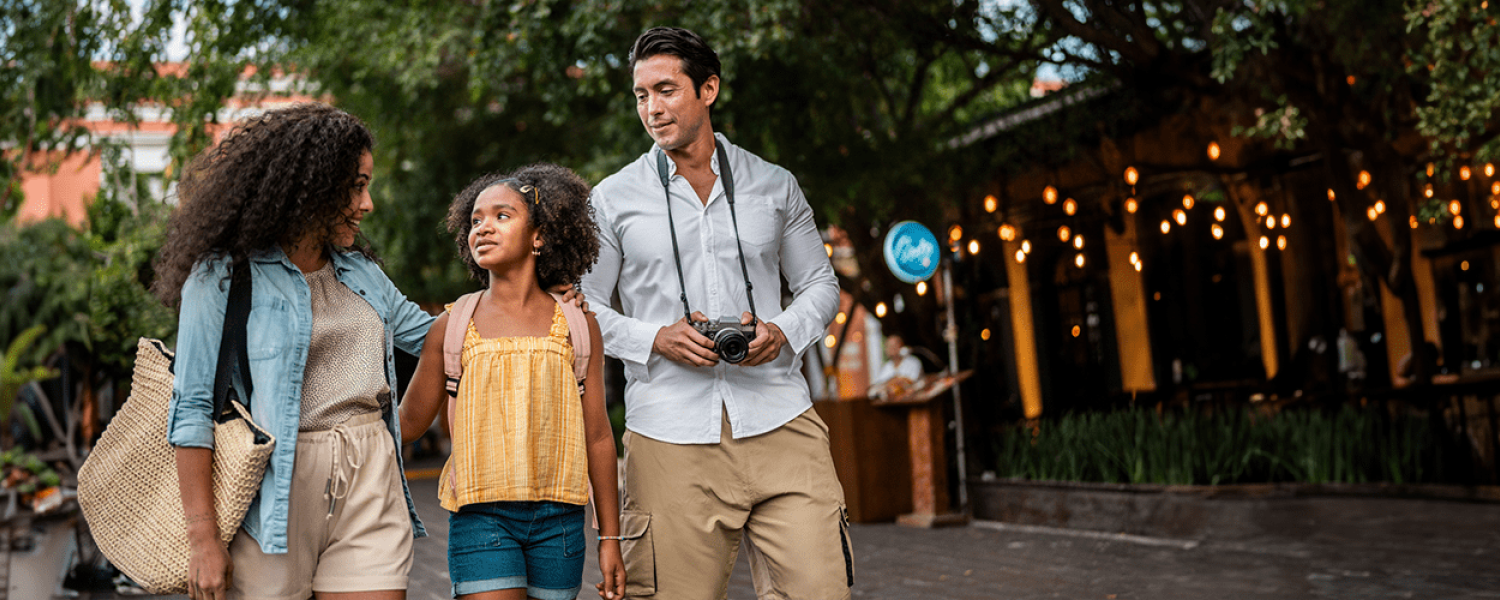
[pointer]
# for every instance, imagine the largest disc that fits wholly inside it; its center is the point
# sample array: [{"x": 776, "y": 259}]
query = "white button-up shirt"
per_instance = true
[{"x": 681, "y": 404}]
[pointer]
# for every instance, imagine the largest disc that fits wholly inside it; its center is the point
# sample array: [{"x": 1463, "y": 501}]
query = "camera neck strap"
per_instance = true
[{"x": 728, "y": 176}]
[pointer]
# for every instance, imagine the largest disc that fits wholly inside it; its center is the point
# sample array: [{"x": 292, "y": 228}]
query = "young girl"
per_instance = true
[{"x": 526, "y": 443}]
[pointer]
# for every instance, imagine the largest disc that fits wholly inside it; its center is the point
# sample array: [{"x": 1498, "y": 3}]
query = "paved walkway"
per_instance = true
[{"x": 1309, "y": 548}]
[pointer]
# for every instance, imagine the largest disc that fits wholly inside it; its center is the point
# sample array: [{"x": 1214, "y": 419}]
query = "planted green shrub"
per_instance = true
[{"x": 1344, "y": 445}]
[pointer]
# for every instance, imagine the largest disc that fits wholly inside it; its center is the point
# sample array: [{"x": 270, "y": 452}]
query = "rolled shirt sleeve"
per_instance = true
[{"x": 199, "y": 331}]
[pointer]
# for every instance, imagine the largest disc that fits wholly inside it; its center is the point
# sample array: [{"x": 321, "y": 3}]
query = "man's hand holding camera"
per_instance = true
[{"x": 690, "y": 344}]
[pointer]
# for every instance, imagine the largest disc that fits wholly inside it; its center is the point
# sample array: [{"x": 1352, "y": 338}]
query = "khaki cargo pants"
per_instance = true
[{"x": 688, "y": 506}]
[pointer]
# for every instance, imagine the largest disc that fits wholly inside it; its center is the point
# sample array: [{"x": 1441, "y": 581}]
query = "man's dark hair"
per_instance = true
[{"x": 698, "y": 60}]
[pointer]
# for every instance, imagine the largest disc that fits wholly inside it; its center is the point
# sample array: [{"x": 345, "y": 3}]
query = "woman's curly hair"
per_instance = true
[
  {"x": 275, "y": 179},
  {"x": 561, "y": 213}
]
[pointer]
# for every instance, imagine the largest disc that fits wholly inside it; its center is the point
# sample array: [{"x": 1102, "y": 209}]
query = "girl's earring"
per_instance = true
[{"x": 536, "y": 251}]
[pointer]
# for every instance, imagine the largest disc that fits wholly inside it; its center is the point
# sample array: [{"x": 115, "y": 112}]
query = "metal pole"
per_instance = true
[{"x": 951, "y": 335}]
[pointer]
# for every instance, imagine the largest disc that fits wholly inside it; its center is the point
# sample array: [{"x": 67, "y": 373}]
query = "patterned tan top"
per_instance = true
[
  {"x": 345, "y": 373},
  {"x": 518, "y": 425}
]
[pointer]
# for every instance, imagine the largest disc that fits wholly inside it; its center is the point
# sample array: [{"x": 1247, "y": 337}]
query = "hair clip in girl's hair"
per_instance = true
[{"x": 536, "y": 194}]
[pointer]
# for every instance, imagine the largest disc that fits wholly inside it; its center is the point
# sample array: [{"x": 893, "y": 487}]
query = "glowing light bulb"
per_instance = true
[
  {"x": 1020, "y": 256},
  {"x": 1363, "y": 181},
  {"x": 1180, "y": 216},
  {"x": 828, "y": 248},
  {"x": 1497, "y": 221},
  {"x": 1464, "y": 173},
  {"x": 1281, "y": 242},
  {"x": 1331, "y": 195},
  {"x": 880, "y": 309},
  {"x": 1078, "y": 260},
  {"x": 1131, "y": 205},
  {"x": 955, "y": 233},
  {"x": 841, "y": 317},
  {"x": 1458, "y": 222},
  {"x": 1188, "y": 202},
  {"x": 1455, "y": 207},
  {"x": 1070, "y": 206},
  {"x": 1261, "y": 209},
  {"x": 921, "y": 288},
  {"x": 1218, "y": 231},
  {"x": 1131, "y": 175},
  {"x": 1166, "y": 226},
  {"x": 1077, "y": 331},
  {"x": 1270, "y": 222},
  {"x": 1135, "y": 257},
  {"x": 1026, "y": 246},
  {"x": 1380, "y": 207},
  {"x": 1429, "y": 169},
  {"x": 1137, "y": 266},
  {"x": 1064, "y": 234},
  {"x": 1286, "y": 220},
  {"x": 1371, "y": 213},
  {"x": 1218, "y": 213},
  {"x": 1078, "y": 242},
  {"x": 1265, "y": 242},
  {"x": 830, "y": 341},
  {"x": 1495, "y": 188},
  {"x": 985, "y": 334},
  {"x": 973, "y": 246},
  {"x": 1427, "y": 190},
  {"x": 1049, "y": 195},
  {"x": 1007, "y": 232},
  {"x": 1213, "y": 151},
  {"x": 1489, "y": 169},
  {"x": 990, "y": 203},
  {"x": 1413, "y": 221}
]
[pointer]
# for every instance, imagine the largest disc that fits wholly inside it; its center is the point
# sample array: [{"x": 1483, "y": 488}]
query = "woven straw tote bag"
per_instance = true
[{"x": 128, "y": 486}]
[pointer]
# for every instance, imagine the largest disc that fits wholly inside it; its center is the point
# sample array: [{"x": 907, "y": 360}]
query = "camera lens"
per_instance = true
[{"x": 731, "y": 345}]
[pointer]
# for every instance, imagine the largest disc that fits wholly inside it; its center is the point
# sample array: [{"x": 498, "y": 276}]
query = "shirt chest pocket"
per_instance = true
[
  {"x": 760, "y": 221},
  {"x": 268, "y": 334}
]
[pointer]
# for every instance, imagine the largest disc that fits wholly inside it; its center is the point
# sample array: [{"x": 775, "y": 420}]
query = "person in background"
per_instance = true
[{"x": 900, "y": 370}]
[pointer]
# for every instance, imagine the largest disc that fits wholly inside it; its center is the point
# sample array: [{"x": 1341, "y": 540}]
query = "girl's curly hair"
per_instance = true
[
  {"x": 561, "y": 213},
  {"x": 275, "y": 179}
]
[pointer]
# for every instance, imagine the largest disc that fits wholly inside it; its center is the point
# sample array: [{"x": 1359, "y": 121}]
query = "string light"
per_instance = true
[
  {"x": 1166, "y": 226},
  {"x": 1131, "y": 205},
  {"x": 830, "y": 341},
  {"x": 1265, "y": 242},
  {"x": 1363, "y": 181},
  {"x": 1135, "y": 258},
  {"x": 1077, "y": 331},
  {"x": 973, "y": 246},
  {"x": 1007, "y": 232},
  {"x": 1371, "y": 213},
  {"x": 1064, "y": 234},
  {"x": 1078, "y": 260},
  {"x": 1026, "y": 246},
  {"x": 841, "y": 317},
  {"x": 1489, "y": 169},
  {"x": 1020, "y": 256},
  {"x": 1070, "y": 206},
  {"x": 1187, "y": 201},
  {"x": 1049, "y": 195},
  {"x": 1455, "y": 207},
  {"x": 1380, "y": 207},
  {"x": 828, "y": 248},
  {"x": 1270, "y": 222},
  {"x": 1180, "y": 216},
  {"x": 1261, "y": 209},
  {"x": 1495, "y": 203},
  {"x": 1281, "y": 242},
  {"x": 990, "y": 203},
  {"x": 1132, "y": 175},
  {"x": 985, "y": 334},
  {"x": 1458, "y": 222},
  {"x": 879, "y": 310},
  {"x": 1497, "y": 221},
  {"x": 955, "y": 233},
  {"x": 1427, "y": 190},
  {"x": 1412, "y": 220},
  {"x": 1138, "y": 264},
  {"x": 1213, "y": 151},
  {"x": 1331, "y": 195},
  {"x": 1464, "y": 173},
  {"x": 1078, "y": 242},
  {"x": 921, "y": 288},
  {"x": 1495, "y": 188},
  {"x": 1429, "y": 169},
  {"x": 1286, "y": 220},
  {"x": 1217, "y": 231},
  {"x": 1218, "y": 213}
]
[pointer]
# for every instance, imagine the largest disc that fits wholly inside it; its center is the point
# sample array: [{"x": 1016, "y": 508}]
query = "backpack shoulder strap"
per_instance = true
[
  {"x": 459, "y": 316},
  {"x": 578, "y": 332}
]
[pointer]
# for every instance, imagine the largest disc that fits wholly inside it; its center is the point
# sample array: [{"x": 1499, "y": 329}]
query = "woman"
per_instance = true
[{"x": 282, "y": 196}]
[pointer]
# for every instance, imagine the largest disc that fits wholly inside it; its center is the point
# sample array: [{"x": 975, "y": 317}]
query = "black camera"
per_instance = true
[{"x": 731, "y": 339}]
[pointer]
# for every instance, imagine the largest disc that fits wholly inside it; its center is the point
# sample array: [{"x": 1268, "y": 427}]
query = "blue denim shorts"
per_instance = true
[{"x": 505, "y": 545}]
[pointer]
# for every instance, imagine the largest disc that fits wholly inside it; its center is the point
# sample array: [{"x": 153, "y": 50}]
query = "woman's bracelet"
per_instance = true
[{"x": 611, "y": 537}]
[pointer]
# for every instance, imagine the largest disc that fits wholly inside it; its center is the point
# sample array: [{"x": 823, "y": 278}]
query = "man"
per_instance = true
[
  {"x": 901, "y": 369},
  {"x": 716, "y": 451}
]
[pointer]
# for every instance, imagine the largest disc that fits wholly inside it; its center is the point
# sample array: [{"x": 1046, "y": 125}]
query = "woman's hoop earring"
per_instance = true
[{"x": 536, "y": 251}]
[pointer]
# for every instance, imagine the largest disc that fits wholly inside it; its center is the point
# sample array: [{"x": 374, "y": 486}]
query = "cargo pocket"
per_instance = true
[
  {"x": 844, "y": 539},
  {"x": 638, "y": 552}
]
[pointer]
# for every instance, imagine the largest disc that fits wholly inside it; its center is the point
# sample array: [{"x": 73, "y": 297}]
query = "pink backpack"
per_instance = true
[{"x": 458, "y": 327}]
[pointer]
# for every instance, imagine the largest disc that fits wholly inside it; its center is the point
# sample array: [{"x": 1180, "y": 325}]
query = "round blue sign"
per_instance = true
[{"x": 911, "y": 252}]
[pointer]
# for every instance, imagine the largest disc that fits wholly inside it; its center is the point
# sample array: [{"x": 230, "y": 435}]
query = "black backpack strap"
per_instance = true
[{"x": 234, "y": 359}]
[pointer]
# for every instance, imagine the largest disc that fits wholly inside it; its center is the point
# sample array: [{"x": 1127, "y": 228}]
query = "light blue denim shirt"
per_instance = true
[{"x": 278, "y": 335}]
